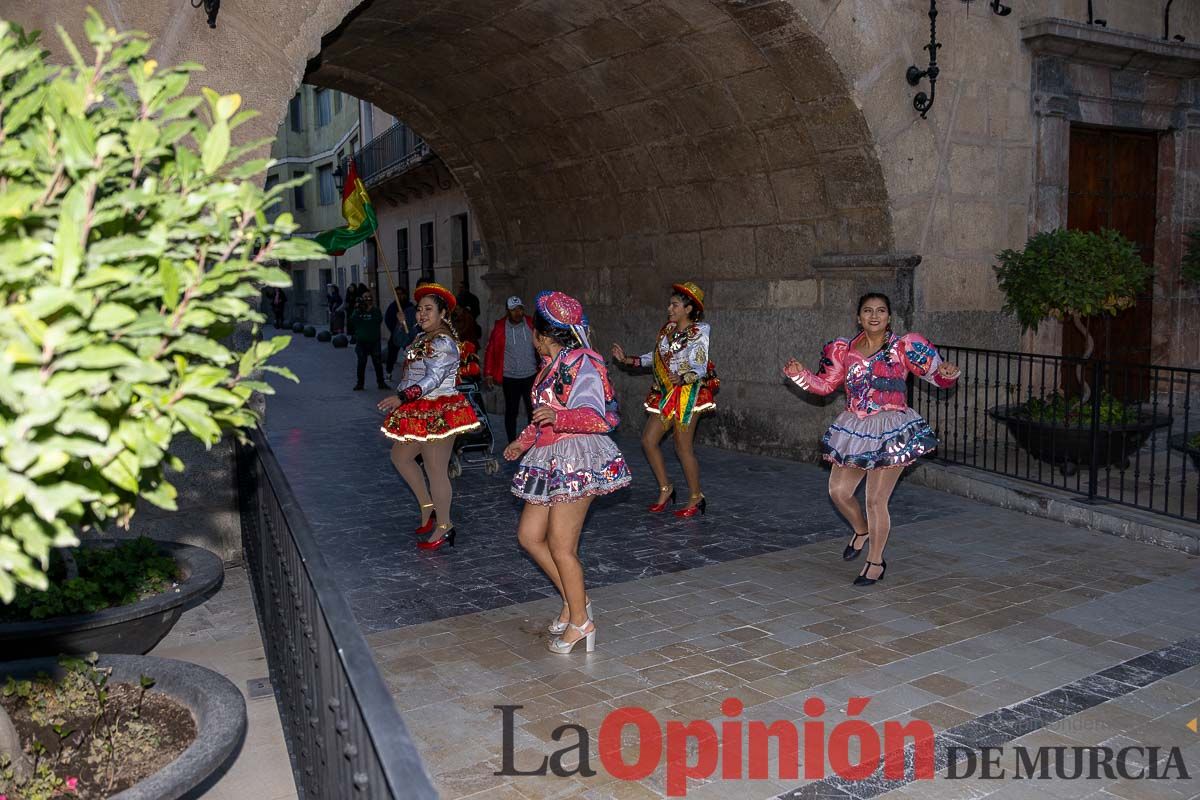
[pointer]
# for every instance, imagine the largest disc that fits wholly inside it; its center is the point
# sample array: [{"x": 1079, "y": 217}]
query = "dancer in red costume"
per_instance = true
[{"x": 427, "y": 413}]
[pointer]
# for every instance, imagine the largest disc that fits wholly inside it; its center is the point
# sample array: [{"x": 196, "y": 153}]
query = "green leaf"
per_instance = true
[
  {"x": 216, "y": 146},
  {"x": 110, "y": 316},
  {"x": 195, "y": 417}
]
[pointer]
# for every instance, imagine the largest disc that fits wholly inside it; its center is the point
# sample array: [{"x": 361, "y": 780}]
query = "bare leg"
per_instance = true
[
  {"x": 652, "y": 434},
  {"x": 843, "y": 482},
  {"x": 404, "y": 455},
  {"x": 684, "y": 436},
  {"x": 436, "y": 456},
  {"x": 531, "y": 534},
  {"x": 880, "y": 483},
  {"x": 566, "y": 523}
]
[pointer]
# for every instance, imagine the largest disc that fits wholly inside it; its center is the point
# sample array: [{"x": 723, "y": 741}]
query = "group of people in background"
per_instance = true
[{"x": 545, "y": 363}]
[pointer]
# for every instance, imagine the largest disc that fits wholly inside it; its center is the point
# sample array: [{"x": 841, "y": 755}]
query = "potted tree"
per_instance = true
[
  {"x": 1069, "y": 276},
  {"x": 133, "y": 237},
  {"x": 1188, "y": 442}
]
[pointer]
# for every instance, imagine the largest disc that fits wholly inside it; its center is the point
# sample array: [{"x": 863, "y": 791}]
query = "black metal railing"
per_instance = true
[
  {"x": 1111, "y": 432},
  {"x": 344, "y": 734},
  {"x": 392, "y": 151}
]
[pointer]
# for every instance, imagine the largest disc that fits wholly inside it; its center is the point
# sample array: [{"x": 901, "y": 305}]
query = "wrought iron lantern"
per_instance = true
[{"x": 923, "y": 102}]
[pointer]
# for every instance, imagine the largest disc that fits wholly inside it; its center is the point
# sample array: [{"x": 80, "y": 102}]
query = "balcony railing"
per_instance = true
[
  {"x": 1119, "y": 433},
  {"x": 343, "y": 732},
  {"x": 391, "y": 152}
]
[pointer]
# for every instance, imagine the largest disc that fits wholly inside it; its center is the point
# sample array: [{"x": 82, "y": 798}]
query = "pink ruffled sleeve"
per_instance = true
[
  {"x": 830, "y": 374},
  {"x": 922, "y": 359}
]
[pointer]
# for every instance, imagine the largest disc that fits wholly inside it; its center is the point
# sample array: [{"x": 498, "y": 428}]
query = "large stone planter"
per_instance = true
[
  {"x": 134, "y": 628},
  {"x": 1070, "y": 448},
  {"x": 216, "y": 705}
]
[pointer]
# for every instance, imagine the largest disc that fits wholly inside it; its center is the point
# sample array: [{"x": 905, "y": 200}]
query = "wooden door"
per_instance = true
[{"x": 1113, "y": 184}]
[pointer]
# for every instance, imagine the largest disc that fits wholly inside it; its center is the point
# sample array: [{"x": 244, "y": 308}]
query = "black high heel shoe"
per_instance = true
[
  {"x": 849, "y": 554},
  {"x": 863, "y": 580}
]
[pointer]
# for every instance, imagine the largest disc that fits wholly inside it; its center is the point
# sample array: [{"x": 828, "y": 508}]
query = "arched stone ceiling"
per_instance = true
[{"x": 713, "y": 141}]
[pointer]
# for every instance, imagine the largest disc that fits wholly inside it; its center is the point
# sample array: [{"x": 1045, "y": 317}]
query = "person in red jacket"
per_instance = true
[{"x": 511, "y": 362}]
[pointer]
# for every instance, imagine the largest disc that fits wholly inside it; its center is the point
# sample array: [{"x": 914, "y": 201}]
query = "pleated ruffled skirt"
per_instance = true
[
  {"x": 570, "y": 469},
  {"x": 885, "y": 439}
]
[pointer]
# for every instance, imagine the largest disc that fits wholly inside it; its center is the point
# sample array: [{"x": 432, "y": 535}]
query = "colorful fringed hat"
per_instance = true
[
  {"x": 435, "y": 288},
  {"x": 563, "y": 311},
  {"x": 692, "y": 292}
]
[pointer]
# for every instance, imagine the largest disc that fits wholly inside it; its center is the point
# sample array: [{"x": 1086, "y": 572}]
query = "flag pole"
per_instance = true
[{"x": 388, "y": 274}]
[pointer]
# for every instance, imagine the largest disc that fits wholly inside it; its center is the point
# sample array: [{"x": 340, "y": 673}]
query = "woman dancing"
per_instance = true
[
  {"x": 427, "y": 413},
  {"x": 878, "y": 434},
  {"x": 568, "y": 459},
  {"x": 681, "y": 392}
]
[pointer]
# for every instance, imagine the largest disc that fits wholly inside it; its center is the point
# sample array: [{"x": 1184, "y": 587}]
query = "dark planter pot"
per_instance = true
[
  {"x": 134, "y": 628},
  {"x": 216, "y": 704},
  {"x": 340, "y": 341},
  {"x": 297, "y": 327},
  {"x": 324, "y": 336},
  {"x": 1178, "y": 442},
  {"x": 1071, "y": 447}
]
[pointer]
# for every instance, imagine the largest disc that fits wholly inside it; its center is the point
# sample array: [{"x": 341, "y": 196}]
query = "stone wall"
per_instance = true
[{"x": 611, "y": 148}]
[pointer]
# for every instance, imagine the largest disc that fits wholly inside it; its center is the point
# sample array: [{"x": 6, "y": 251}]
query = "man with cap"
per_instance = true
[{"x": 511, "y": 362}]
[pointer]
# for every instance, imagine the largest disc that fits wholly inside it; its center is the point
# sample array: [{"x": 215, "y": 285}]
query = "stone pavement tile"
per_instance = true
[
  {"x": 261, "y": 769},
  {"x": 390, "y": 584}
]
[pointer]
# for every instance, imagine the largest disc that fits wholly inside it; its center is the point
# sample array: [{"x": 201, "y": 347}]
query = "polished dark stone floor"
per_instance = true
[{"x": 327, "y": 439}]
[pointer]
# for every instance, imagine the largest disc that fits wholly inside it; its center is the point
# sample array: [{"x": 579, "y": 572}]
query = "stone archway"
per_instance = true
[{"x": 608, "y": 149}]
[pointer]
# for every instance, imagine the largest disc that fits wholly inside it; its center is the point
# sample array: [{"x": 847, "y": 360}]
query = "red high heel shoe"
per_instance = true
[
  {"x": 427, "y": 528},
  {"x": 658, "y": 508},
  {"x": 447, "y": 539},
  {"x": 692, "y": 511}
]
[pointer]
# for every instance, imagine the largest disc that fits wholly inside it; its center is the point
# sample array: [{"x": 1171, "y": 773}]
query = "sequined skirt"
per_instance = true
[
  {"x": 424, "y": 420},
  {"x": 570, "y": 469},
  {"x": 885, "y": 439}
]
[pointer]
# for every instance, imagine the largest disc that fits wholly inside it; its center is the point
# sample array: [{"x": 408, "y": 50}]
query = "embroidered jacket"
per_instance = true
[
  {"x": 682, "y": 352},
  {"x": 430, "y": 367},
  {"x": 575, "y": 384},
  {"x": 877, "y": 382}
]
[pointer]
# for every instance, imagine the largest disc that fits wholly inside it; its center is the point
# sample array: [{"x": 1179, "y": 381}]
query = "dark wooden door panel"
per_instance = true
[{"x": 1113, "y": 184}]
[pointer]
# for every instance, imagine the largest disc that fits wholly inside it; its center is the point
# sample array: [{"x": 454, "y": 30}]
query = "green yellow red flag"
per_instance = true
[{"x": 359, "y": 214}]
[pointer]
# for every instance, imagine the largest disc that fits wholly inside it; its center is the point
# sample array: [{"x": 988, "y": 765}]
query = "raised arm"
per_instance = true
[
  {"x": 922, "y": 359},
  {"x": 831, "y": 372}
]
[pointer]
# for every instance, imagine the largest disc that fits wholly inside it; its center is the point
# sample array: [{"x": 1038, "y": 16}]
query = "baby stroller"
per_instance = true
[{"x": 481, "y": 441}]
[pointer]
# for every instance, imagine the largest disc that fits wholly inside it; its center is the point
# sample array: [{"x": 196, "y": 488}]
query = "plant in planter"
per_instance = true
[
  {"x": 1069, "y": 276},
  {"x": 1190, "y": 265},
  {"x": 133, "y": 241},
  {"x": 90, "y": 736}
]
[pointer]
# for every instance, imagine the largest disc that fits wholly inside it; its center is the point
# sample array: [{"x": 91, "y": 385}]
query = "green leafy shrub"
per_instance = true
[
  {"x": 108, "y": 577},
  {"x": 1191, "y": 259},
  {"x": 1071, "y": 275},
  {"x": 1056, "y": 408},
  {"x": 1067, "y": 273},
  {"x": 133, "y": 240}
]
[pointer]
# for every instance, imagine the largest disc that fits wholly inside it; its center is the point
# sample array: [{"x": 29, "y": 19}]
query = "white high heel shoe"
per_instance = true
[
  {"x": 588, "y": 631},
  {"x": 559, "y": 627}
]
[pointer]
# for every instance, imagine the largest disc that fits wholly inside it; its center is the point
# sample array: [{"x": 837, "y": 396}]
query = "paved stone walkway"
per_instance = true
[
  {"x": 223, "y": 635},
  {"x": 997, "y": 628}
]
